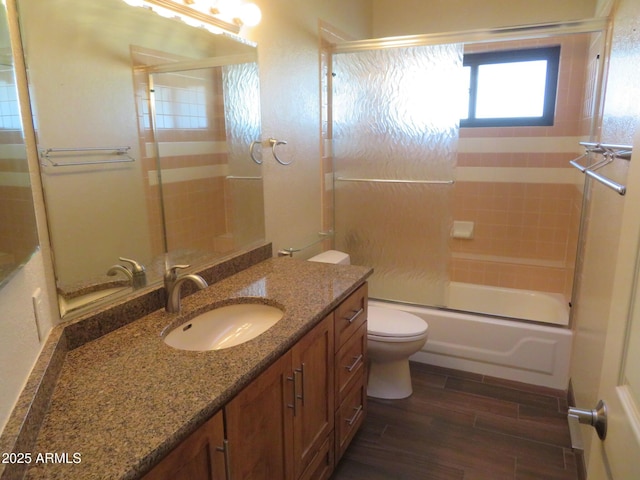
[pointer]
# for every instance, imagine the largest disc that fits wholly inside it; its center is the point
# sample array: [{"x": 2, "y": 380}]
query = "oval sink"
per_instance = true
[{"x": 224, "y": 327}]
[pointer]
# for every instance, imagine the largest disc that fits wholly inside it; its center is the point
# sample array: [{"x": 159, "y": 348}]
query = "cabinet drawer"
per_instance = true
[
  {"x": 350, "y": 315},
  {"x": 351, "y": 362},
  {"x": 350, "y": 416}
]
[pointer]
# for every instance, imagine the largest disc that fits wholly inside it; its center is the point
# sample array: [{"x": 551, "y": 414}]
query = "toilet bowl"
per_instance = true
[{"x": 392, "y": 337}]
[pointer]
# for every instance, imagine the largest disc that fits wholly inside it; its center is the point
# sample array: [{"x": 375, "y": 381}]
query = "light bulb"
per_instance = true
[{"x": 250, "y": 14}]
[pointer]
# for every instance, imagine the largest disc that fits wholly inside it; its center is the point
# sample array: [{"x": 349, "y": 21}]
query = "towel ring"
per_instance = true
[
  {"x": 251, "y": 151},
  {"x": 274, "y": 143}
]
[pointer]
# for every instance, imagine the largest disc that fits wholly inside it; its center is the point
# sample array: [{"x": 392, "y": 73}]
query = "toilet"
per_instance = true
[{"x": 392, "y": 337}]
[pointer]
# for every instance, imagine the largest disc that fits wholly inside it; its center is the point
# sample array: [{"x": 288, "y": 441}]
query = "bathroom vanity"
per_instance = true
[
  {"x": 289, "y": 401},
  {"x": 285, "y": 423}
]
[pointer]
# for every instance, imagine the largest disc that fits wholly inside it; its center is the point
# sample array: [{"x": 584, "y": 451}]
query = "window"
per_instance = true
[
  {"x": 511, "y": 88},
  {"x": 181, "y": 107},
  {"x": 9, "y": 109}
]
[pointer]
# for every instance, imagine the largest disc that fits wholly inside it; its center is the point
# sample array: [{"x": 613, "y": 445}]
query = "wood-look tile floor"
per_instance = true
[{"x": 463, "y": 426}]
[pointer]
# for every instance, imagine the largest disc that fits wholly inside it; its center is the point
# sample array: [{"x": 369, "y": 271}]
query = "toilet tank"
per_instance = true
[{"x": 332, "y": 256}]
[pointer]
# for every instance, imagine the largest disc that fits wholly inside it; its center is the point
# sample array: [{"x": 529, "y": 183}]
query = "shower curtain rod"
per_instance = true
[{"x": 475, "y": 36}]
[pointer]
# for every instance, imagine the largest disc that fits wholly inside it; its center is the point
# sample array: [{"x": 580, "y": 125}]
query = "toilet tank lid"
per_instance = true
[
  {"x": 332, "y": 256},
  {"x": 390, "y": 322}
]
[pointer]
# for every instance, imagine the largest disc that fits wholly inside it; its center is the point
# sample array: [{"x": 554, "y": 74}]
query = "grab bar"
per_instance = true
[
  {"x": 65, "y": 152},
  {"x": 391, "y": 180}
]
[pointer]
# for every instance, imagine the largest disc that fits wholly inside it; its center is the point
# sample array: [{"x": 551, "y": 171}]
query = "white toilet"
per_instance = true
[{"x": 393, "y": 336}]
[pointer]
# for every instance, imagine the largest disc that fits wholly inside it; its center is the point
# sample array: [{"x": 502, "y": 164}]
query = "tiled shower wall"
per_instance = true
[
  {"x": 17, "y": 232},
  {"x": 515, "y": 183},
  {"x": 196, "y": 200},
  {"x": 518, "y": 188}
]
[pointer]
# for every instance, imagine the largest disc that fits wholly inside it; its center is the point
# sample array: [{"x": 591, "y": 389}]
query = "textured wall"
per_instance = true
[
  {"x": 290, "y": 100},
  {"x": 525, "y": 197}
]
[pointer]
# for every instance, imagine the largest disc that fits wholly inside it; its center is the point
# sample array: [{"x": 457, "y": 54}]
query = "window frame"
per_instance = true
[{"x": 474, "y": 60}]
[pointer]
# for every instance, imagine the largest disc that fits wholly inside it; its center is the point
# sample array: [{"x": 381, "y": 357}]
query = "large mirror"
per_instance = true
[
  {"x": 18, "y": 235},
  {"x": 144, "y": 126}
]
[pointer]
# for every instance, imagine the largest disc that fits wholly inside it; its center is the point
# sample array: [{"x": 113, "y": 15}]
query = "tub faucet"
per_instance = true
[
  {"x": 136, "y": 273},
  {"x": 173, "y": 283}
]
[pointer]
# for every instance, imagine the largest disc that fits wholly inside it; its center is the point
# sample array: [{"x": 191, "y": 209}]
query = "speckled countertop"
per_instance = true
[{"x": 124, "y": 400}]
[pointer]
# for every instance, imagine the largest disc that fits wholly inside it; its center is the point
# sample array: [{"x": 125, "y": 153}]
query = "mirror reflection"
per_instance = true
[
  {"x": 144, "y": 126},
  {"x": 18, "y": 235}
]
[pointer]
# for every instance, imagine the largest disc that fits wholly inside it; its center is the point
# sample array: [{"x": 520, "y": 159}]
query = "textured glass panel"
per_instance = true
[
  {"x": 396, "y": 114},
  {"x": 241, "y": 86}
]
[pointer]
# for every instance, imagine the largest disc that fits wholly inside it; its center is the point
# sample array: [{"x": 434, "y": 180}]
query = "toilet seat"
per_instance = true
[{"x": 391, "y": 325}]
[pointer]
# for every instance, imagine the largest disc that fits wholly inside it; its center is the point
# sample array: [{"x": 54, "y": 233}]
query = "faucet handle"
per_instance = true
[
  {"x": 172, "y": 272},
  {"x": 135, "y": 266}
]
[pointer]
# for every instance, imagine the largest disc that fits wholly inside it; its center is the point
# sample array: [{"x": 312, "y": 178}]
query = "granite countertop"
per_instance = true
[{"x": 124, "y": 400}]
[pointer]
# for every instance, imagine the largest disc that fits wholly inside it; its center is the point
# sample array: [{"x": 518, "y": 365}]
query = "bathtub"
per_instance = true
[
  {"x": 522, "y": 351},
  {"x": 509, "y": 302}
]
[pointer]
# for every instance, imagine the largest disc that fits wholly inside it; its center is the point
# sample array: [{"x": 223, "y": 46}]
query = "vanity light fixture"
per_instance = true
[
  {"x": 241, "y": 13},
  {"x": 215, "y": 16}
]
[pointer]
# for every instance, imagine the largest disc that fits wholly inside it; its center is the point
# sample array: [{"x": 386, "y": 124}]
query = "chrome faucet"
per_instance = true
[
  {"x": 113, "y": 271},
  {"x": 136, "y": 273},
  {"x": 173, "y": 282}
]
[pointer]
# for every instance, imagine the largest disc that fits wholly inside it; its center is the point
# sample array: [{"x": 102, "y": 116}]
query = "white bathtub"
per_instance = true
[
  {"x": 514, "y": 350},
  {"x": 509, "y": 302}
]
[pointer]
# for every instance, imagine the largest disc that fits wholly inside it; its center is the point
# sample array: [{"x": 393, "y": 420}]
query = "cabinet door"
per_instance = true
[
  {"x": 259, "y": 425},
  {"x": 199, "y": 457},
  {"x": 321, "y": 467},
  {"x": 313, "y": 372}
]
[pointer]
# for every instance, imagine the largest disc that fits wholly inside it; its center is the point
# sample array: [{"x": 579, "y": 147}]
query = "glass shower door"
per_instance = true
[
  {"x": 205, "y": 120},
  {"x": 395, "y": 131}
]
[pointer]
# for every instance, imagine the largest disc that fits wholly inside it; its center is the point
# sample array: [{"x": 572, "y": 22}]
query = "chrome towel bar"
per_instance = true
[
  {"x": 120, "y": 152},
  {"x": 609, "y": 152}
]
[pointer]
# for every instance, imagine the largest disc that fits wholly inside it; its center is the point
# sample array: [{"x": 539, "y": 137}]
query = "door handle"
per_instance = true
[
  {"x": 227, "y": 462},
  {"x": 597, "y": 418}
]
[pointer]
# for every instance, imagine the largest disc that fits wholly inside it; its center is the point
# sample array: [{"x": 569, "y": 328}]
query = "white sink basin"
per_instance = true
[{"x": 224, "y": 327}]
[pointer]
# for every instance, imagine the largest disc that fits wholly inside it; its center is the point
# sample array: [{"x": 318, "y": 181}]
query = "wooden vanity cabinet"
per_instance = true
[
  {"x": 200, "y": 456},
  {"x": 295, "y": 420},
  {"x": 276, "y": 426},
  {"x": 259, "y": 426}
]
